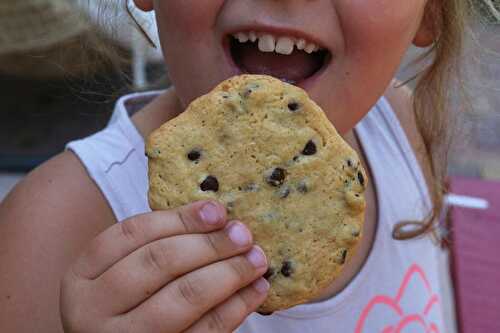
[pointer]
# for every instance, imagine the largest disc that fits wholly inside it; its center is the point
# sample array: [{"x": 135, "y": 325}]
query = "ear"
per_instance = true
[
  {"x": 144, "y": 5},
  {"x": 428, "y": 30}
]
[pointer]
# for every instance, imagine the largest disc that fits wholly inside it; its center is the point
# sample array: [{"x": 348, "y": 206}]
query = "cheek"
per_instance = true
[
  {"x": 187, "y": 17},
  {"x": 190, "y": 43},
  {"x": 376, "y": 34},
  {"x": 381, "y": 24}
]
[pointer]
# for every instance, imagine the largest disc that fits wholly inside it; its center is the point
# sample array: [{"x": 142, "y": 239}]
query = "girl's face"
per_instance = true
[{"x": 361, "y": 46}]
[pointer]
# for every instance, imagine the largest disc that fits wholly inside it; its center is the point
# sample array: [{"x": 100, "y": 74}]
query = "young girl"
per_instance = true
[{"x": 67, "y": 265}]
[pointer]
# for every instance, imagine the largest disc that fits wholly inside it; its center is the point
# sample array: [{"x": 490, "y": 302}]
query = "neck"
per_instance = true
[
  {"x": 350, "y": 138},
  {"x": 163, "y": 108}
]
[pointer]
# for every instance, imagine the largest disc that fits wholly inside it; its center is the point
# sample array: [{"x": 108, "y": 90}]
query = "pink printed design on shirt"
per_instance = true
[{"x": 397, "y": 317}]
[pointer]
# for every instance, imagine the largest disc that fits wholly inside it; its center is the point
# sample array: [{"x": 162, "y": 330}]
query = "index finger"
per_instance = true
[{"x": 124, "y": 238}]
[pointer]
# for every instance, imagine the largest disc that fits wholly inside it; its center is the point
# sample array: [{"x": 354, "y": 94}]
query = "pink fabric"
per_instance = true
[
  {"x": 476, "y": 257},
  {"x": 406, "y": 318}
]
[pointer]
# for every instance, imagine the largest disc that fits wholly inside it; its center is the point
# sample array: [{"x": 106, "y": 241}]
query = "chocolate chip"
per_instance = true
[
  {"x": 302, "y": 187},
  {"x": 250, "y": 187},
  {"x": 284, "y": 192},
  {"x": 210, "y": 184},
  {"x": 268, "y": 273},
  {"x": 361, "y": 179},
  {"x": 293, "y": 106},
  {"x": 310, "y": 148},
  {"x": 295, "y": 158},
  {"x": 247, "y": 92},
  {"x": 343, "y": 256},
  {"x": 263, "y": 313},
  {"x": 349, "y": 163},
  {"x": 277, "y": 177},
  {"x": 194, "y": 155},
  {"x": 286, "y": 268}
]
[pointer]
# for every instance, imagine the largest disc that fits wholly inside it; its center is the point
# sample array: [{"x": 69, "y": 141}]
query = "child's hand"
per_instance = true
[{"x": 166, "y": 271}]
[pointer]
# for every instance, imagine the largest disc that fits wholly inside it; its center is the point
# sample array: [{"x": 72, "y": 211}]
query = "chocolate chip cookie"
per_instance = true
[{"x": 268, "y": 152}]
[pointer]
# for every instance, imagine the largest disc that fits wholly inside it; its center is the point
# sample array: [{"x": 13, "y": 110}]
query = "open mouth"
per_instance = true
[{"x": 290, "y": 59}]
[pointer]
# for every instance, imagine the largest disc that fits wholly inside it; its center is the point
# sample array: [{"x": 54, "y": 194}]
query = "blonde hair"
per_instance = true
[
  {"x": 441, "y": 91},
  {"x": 436, "y": 86}
]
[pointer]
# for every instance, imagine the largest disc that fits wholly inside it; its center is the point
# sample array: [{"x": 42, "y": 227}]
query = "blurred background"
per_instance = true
[{"x": 63, "y": 63}]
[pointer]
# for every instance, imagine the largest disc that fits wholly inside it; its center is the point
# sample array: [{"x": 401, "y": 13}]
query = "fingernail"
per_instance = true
[
  {"x": 256, "y": 257},
  {"x": 239, "y": 234},
  {"x": 209, "y": 213},
  {"x": 261, "y": 285}
]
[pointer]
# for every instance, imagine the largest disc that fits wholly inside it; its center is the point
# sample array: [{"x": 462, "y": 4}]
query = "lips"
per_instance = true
[{"x": 288, "y": 58}]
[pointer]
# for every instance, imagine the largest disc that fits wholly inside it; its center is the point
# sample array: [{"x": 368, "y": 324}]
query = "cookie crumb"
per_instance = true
[
  {"x": 355, "y": 231},
  {"x": 250, "y": 187},
  {"x": 284, "y": 192},
  {"x": 343, "y": 255},
  {"x": 302, "y": 187}
]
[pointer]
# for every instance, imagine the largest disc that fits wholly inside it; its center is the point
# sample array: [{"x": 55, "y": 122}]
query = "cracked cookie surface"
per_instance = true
[{"x": 265, "y": 150}]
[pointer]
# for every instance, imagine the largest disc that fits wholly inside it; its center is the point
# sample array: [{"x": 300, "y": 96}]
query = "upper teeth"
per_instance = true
[{"x": 270, "y": 43}]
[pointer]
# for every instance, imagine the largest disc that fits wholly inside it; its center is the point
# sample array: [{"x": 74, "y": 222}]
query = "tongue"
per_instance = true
[{"x": 293, "y": 68}]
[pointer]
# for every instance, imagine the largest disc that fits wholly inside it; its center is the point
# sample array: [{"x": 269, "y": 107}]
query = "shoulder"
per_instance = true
[
  {"x": 57, "y": 195},
  {"x": 400, "y": 97},
  {"x": 60, "y": 186},
  {"x": 45, "y": 222}
]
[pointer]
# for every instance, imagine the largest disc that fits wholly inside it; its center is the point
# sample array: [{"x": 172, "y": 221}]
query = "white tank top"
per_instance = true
[{"x": 396, "y": 290}]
